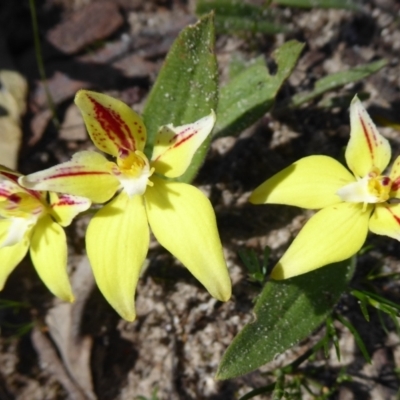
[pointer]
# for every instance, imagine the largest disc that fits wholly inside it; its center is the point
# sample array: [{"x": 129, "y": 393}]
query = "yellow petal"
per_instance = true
[
  {"x": 117, "y": 241},
  {"x": 311, "y": 182},
  {"x": 333, "y": 234},
  {"x": 88, "y": 174},
  {"x": 66, "y": 207},
  {"x": 113, "y": 126},
  {"x": 175, "y": 147},
  {"x": 367, "y": 149},
  {"x": 385, "y": 220},
  {"x": 49, "y": 256},
  {"x": 10, "y": 257},
  {"x": 183, "y": 221}
]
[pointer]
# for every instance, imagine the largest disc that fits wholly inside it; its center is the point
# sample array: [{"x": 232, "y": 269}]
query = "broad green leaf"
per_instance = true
[
  {"x": 341, "y": 4},
  {"x": 251, "y": 93},
  {"x": 286, "y": 312},
  {"x": 186, "y": 88},
  {"x": 237, "y": 16},
  {"x": 334, "y": 81}
]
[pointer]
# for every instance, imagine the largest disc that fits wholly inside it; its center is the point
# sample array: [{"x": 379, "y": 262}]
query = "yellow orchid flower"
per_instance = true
[
  {"x": 180, "y": 216},
  {"x": 351, "y": 203},
  {"x": 28, "y": 220}
]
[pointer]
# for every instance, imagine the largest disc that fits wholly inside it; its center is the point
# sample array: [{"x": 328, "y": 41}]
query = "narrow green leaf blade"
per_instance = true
[
  {"x": 334, "y": 81},
  {"x": 285, "y": 313},
  {"x": 186, "y": 88},
  {"x": 251, "y": 93},
  {"x": 357, "y": 337}
]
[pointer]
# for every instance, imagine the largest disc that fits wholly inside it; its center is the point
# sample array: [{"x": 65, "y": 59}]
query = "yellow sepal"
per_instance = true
[
  {"x": 117, "y": 241},
  {"x": 311, "y": 182},
  {"x": 66, "y": 207},
  {"x": 367, "y": 149},
  {"x": 333, "y": 234},
  {"x": 88, "y": 174},
  {"x": 10, "y": 256},
  {"x": 174, "y": 147},
  {"x": 385, "y": 220},
  {"x": 112, "y": 124},
  {"x": 49, "y": 256},
  {"x": 183, "y": 221}
]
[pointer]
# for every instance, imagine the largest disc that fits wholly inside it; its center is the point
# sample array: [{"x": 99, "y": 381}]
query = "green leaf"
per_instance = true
[
  {"x": 251, "y": 93},
  {"x": 262, "y": 390},
  {"x": 235, "y": 15},
  {"x": 341, "y": 4},
  {"x": 186, "y": 88},
  {"x": 334, "y": 81},
  {"x": 356, "y": 335},
  {"x": 363, "y": 302},
  {"x": 331, "y": 334},
  {"x": 286, "y": 312}
]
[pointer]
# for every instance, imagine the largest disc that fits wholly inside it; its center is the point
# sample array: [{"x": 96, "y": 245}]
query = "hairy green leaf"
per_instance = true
[
  {"x": 186, "y": 88},
  {"x": 251, "y": 93},
  {"x": 286, "y": 312},
  {"x": 334, "y": 81}
]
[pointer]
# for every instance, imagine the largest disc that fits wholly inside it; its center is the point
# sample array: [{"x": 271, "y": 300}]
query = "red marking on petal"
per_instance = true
[
  {"x": 393, "y": 215},
  {"x": 396, "y": 184},
  {"x": 67, "y": 174},
  {"x": 184, "y": 140},
  {"x": 114, "y": 126},
  {"x": 14, "y": 198},
  {"x": 4, "y": 193},
  {"x": 367, "y": 137},
  {"x": 123, "y": 153},
  {"x": 67, "y": 202},
  {"x": 12, "y": 177}
]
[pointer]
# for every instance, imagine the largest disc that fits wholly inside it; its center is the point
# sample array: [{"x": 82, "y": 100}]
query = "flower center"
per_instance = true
[
  {"x": 133, "y": 171},
  {"x": 373, "y": 188},
  {"x": 380, "y": 187}
]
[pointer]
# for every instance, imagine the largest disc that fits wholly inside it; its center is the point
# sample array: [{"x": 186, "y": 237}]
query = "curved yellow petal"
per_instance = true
[
  {"x": 88, "y": 174},
  {"x": 66, "y": 207},
  {"x": 117, "y": 241},
  {"x": 385, "y": 220},
  {"x": 113, "y": 126},
  {"x": 49, "y": 256},
  {"x": 174, "y": 147},
  {"x": 311, "y": 182},
  {"x": 183, "y": 221},
  {"x": 367, "y": 149},
  {"x": 333, "y": 234},
  {"x": 10, "y": 257}
]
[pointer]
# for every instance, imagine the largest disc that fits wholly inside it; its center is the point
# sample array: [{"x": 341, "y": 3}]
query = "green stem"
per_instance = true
[{"x": 40, "y": 64}]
